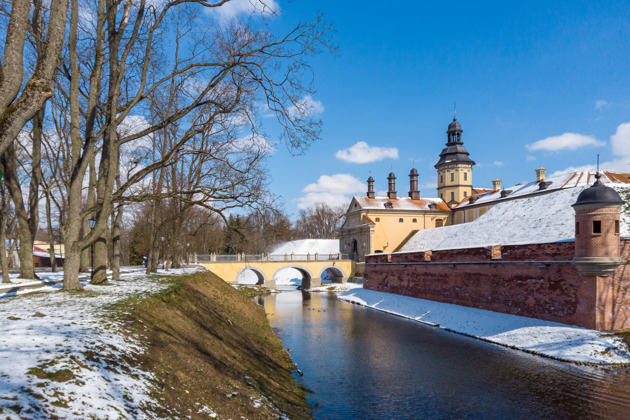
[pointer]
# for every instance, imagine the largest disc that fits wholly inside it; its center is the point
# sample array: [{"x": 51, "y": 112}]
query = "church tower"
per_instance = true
[{"x": 454, "y": 169}]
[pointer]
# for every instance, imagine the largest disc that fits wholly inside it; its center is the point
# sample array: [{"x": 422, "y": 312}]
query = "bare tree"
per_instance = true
[
  {"x": 233, "y": 69},
  {"x": 319, "y": 221},
  {"x": 19, "y": 101}
]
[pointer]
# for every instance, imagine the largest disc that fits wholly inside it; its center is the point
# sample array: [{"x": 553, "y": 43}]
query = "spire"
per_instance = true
[
  {"x": 391, "y": 182},
  {"x": 455, "y": 152},
  {"x": 414, "y": 193},
  {"x": 370, "y": 191}
]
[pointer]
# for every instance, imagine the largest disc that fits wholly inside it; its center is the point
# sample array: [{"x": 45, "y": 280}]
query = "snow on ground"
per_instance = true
[
  {"x": 308, "y": 246},
  {"x": 61, "y": 354},
  {"x": 538, "y": 219},
  {"x": 547, "y": 338},
  {"x": 336, "y": 287}
]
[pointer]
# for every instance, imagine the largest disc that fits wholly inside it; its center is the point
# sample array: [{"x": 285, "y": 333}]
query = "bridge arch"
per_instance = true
[
  {"x": 334, "y": 271},
  {"x": 307, "y": 275},
  {"x": 261, "y": 278}
]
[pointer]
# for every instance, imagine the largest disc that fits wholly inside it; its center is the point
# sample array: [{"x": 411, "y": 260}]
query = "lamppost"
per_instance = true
[
  {"x": 92, "y": 223},
  {"x": 163, "y": 256}
]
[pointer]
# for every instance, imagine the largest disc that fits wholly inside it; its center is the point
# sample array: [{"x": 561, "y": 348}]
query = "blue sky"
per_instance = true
[{"x": 520, "y": 73}]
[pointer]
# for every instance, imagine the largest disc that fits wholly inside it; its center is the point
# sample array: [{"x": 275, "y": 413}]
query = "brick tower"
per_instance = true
[{"x": 597, "y": 242}]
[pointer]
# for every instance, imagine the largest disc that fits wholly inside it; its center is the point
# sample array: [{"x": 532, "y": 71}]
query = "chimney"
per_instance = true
[
  {"x": 391, "y": 191},
  {"x": 496, "y": 184},
  {"x": 540, "y": 174},
  {"x": 414, "y": 193},
  {"x": 370, "y": 191}
]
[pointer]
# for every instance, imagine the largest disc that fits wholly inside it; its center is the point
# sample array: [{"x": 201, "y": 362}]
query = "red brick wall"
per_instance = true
[
  {"x": 535, "y": 280},
  {"x": 602, "y": 245}
]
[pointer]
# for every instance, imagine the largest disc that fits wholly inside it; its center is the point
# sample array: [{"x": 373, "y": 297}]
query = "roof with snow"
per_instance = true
[
  {"x": 401, "y": 203},
  {"x": 568, "y": 180},
  {"x": 308, "y": 246},
  {"x": 538, "y": 218}
]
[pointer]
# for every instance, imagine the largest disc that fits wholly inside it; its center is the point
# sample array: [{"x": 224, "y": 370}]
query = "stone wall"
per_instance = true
[{"x": 536, "y": 280}]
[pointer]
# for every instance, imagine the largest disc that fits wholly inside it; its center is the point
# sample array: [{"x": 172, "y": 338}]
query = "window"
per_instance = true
[
  {"x": 378, "y": 219},
  {"x": 441, "y": 179},
  {"x": 452, "y": 196},
  {"x": 465, "y": 194},
  {"x": 597, "y": 227},
  {"x": 414, "y": 221},
  {"x": 442, "y": 196},
  {"x": 400, "y": 220},
  {"x": 439, "y": 223},
  {"x": 465, "y": 176},
  {"x": 616, "y": 227},
  {"x": 452, "y": 177},
  {"x": 577, "y": 228}
]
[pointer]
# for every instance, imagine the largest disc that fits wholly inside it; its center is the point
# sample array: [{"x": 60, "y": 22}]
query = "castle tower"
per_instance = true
[
  {"x": 391, "y": 182},
  {"x": 454, "y": 168},
  {"x": 414, "y": 193},
  {"x": 597, "y": 243},
  {"x": 370, "y": 191}
]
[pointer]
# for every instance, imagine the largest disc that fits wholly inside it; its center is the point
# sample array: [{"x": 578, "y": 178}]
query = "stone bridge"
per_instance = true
[{"x": 266, "y": 268}]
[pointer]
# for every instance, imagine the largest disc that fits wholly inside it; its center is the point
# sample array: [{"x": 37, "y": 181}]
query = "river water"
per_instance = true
[{"x": 364, "y": 364}]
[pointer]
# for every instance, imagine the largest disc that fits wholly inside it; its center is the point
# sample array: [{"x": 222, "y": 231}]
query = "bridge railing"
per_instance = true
[{"x": 270, "y": 257}]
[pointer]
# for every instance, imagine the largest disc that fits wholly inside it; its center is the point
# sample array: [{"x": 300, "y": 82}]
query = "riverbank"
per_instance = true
[
  {"x": 550, "y": 339},
  {"x": 144, "y": 347}
]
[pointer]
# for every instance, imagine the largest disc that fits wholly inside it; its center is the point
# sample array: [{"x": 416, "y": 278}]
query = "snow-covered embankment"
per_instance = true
[{"x": 551, "y": 339}]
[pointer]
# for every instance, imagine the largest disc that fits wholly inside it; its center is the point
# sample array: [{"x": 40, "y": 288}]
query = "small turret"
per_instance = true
[
  {"x": 414, "y": 193},
  {"x": 370, "y": 191},
  {"x": 391, "y": 190},
  {"x": 540, "y": 174},
  {"x": 597, "y": 242}
]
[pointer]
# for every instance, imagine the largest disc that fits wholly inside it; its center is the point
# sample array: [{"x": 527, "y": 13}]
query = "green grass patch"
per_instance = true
[
  {"x": 61, "y": 375},
  {"x": 251, "y": 292}
]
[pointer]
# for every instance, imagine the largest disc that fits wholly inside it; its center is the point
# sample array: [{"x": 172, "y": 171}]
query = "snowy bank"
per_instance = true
[
  {"x": 551, "y": 339},
  {"x": 63, "y": 356}
]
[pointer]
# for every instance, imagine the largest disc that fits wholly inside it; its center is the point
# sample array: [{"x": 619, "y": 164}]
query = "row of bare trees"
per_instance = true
[{"x": 109, "y": 105}]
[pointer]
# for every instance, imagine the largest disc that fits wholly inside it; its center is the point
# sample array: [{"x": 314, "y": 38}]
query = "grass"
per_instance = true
[
  {"x": 251, "y": 292},
  {"x": 210, "y": 345}
]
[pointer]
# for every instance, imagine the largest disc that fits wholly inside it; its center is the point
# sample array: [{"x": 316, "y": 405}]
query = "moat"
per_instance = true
[{"x": 362, "y": 364}]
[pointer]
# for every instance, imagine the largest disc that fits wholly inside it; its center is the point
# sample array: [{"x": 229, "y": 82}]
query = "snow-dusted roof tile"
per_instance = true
[{"x": 402, "y": 203}]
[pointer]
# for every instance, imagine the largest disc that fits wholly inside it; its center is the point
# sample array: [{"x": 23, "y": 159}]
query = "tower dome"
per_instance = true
[{"x": 598, "y": 193}]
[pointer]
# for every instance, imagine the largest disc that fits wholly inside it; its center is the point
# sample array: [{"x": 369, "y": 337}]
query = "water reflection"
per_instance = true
[{"x": 365, "y": 364}]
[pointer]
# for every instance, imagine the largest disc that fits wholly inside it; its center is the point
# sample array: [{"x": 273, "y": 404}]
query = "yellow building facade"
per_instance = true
[{"x": 383, "y": 224}]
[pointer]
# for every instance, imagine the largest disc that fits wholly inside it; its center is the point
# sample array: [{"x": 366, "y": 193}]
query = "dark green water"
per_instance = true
[{"x": 363, "y": 364}]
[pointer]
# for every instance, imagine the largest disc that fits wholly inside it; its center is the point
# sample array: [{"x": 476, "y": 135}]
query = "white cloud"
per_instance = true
[
  {"x": 530, "y": 158},
  {"x": 330, "y": 199},
  {"x": 620, "y": 144},
  {"x": 600, "y": 104},
  {"x": 620, "y": 141},
  {"x": 338, "y": 183},
  {"x": 306, "y": 107},
  {"x": 235, "y": 8},
  {"x": 252, "y": 143},
  {"x": 566, "y": 141},
  {"x": 497, "y": 163},
  {"x": 331, "y": 190},
  {"x": 362, "y": 152}
]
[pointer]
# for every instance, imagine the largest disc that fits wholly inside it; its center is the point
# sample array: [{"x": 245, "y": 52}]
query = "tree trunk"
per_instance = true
[
  {"x": 100, "y": 259},
  {"x": 4, "y": 260},
  {"x": 51, "y": 250},
  {"x": 116, "y": 244}
]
